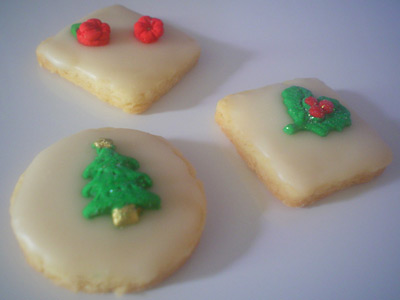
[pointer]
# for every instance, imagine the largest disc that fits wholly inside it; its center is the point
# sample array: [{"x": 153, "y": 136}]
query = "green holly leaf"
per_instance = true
[
  {"x": 320, "y": 115},
  {"x": 74, "y": 28}
]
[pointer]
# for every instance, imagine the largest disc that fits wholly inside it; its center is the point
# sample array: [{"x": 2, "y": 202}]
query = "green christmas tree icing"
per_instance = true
[
  {"x": 317, "y": 115},
  {"x": 115, "y": 183}
]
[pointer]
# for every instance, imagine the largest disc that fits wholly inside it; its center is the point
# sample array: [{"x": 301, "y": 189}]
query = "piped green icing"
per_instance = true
[
  {"x": 294, "y": 99},
  {"x": 115, "y": 183},
  {"x": 74, "y": 28}
]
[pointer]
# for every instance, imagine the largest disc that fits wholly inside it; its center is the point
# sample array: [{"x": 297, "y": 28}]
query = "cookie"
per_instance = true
[
  {"x": 73, "y": 229},
  {"x": 302, "y": 140},
  {"x": 118, "y": 58}
]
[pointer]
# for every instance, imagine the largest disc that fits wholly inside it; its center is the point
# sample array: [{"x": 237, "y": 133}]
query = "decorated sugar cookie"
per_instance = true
[
  {"x": 302, "y": 140},
  {"x": 125, "y": 203},
  {"x": 125, "y": 59}
]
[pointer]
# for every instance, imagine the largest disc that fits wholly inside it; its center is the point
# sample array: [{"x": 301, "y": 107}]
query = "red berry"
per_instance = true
[
  {"x": 327, "y": 106},
  {"x": 148, "y": 30},
  {"x": 316, "y": 111},
  {"x": 311, "y": 101}
]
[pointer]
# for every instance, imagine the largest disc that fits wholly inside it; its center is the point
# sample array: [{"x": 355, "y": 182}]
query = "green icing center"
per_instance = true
[
  {"x": 115, "y": 183},
  {"x": 294, "y": 98}
]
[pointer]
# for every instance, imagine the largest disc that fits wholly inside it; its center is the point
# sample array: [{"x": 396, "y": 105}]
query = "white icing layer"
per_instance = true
[
  {"x": 47, "y": 211},
  {"x": 305, "y": 161},
  {"x": 125, "y": 63}
]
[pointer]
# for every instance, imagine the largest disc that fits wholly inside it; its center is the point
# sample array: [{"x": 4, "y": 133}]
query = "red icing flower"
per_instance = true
[
  {"x": 93, "y": 33},
  {"x": 318, "y": 109},
  {"x": 148, "y": 30}
]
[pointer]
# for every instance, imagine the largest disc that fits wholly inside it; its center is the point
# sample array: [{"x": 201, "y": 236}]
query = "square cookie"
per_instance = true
[
  {"x": 302, "y": 167},
  {"x": 125, "y": 72}
]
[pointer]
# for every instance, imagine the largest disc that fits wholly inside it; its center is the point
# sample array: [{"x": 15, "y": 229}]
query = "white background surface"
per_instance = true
[{"x": 345, "y": 247}]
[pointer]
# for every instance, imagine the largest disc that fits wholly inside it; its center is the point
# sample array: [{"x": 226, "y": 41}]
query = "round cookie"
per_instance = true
[{"x": 92, "y": 255}]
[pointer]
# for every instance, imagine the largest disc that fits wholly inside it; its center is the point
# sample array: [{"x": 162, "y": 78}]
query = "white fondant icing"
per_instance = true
[
  {"x": 305, "y": 160},
  {"x": 125, "y": 63},
  {"x": 47, "y": 210}
]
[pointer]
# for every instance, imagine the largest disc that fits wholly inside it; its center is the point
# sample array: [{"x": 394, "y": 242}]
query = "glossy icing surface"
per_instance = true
[
  {"x": 125, "y": 62},
  {"x": 47, "y": 211},
  {"x": 305, "y": 160}
]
